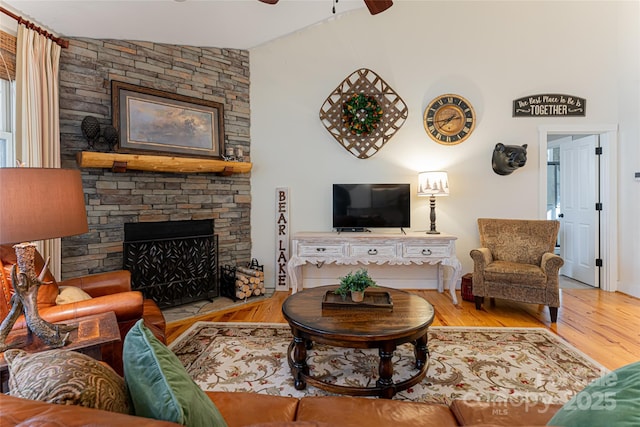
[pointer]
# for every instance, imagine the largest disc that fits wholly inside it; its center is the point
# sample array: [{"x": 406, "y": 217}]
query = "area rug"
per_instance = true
[{"x": 488, "y": 364}]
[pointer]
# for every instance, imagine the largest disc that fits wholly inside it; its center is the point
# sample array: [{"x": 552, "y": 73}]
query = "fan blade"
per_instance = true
[
  {"x": 269, "y": 1},
  {"x": 377, "y": 6}
]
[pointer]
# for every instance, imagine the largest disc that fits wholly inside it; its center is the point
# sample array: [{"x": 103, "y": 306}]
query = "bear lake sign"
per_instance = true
[{"x": 551, "y": 105}]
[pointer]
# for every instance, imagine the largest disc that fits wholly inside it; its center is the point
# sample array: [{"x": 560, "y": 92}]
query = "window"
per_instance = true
[{"x": 7, "y": 123}]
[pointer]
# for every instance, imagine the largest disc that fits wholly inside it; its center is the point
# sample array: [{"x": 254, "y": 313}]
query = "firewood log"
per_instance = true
[{"x": 249, "y": 272}]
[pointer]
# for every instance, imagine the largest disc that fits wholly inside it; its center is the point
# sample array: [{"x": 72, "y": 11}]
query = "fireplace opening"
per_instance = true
[{"x": 172, "y": 262}]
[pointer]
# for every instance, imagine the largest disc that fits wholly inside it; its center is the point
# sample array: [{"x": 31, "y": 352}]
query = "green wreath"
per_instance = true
[{"x": 361, "y": 114}]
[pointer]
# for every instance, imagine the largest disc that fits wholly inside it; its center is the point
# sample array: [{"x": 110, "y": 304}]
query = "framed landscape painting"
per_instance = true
[{"x": 154, "y": 121}]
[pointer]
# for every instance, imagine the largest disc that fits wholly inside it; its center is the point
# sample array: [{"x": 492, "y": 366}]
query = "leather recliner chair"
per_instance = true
[{"x": 110, "y": 291}]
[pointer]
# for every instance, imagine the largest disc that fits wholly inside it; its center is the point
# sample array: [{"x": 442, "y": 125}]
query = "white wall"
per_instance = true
[{"x": 489, "y": 52}]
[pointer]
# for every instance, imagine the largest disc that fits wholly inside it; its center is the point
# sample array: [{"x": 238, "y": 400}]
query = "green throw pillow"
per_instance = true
[
  {"x": 613, "y": 400},
  {"x": 160, "y": 387}
]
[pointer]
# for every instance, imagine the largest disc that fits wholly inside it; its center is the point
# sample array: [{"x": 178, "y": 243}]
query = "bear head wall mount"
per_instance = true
[{"x": 507, "y": 158}]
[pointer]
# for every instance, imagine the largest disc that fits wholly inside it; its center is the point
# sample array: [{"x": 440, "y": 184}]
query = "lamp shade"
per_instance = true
[
  {"x": 433, "y": 184},
  {"x": 40, "y": 203}
]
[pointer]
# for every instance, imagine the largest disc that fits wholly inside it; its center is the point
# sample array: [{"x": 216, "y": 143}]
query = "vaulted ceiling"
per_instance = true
[{"x": 241, "y": 24}]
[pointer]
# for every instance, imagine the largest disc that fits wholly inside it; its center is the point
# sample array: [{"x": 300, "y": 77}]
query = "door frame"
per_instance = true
[
  {"x": 608, "y": 190},
  {"x": 594, "y": 240}
]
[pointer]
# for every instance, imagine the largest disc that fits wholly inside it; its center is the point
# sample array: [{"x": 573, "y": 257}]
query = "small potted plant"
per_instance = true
[{"x": 355, "y": 283}]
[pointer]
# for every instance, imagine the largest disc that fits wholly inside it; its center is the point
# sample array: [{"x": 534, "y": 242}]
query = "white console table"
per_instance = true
[{"x": 375, "y": 248}]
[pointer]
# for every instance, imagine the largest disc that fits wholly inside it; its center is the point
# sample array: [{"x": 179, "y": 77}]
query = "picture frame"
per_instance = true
[{"x": 157, "y": 122}]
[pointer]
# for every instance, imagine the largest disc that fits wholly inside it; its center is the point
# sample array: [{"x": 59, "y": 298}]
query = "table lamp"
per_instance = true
[
  {"x": 37, "y": 204},
  {"x": 433, "y": 184}
]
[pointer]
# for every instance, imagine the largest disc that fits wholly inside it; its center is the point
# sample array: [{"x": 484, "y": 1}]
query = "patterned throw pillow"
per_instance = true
[{"x": 66, "y": 377}]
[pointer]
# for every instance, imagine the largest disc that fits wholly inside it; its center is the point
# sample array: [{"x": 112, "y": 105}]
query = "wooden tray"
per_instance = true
[{"x": 372, "y": 299}]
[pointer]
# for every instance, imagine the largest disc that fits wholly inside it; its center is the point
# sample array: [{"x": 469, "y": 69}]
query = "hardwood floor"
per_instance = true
[{"x": 603, "y": 325}]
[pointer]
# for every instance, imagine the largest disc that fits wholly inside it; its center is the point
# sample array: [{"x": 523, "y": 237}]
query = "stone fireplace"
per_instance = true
[
  {"x": 114, "y": 199},
  {"x": 120, "y": 202}
]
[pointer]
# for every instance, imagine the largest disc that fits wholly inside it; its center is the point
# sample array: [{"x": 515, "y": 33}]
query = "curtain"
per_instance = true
[{"x": 37, "y": 114}]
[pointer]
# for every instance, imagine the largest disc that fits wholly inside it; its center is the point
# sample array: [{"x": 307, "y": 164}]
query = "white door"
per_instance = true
[{"x": 578, "y": 214}]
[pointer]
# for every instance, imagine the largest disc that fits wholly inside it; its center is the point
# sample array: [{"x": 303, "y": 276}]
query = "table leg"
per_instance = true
[
  {"x": 421, "y": 351},
  {"x": 295, "y": 275},
  {"x": 386, "y": 371},
  {"x": 299, "y": 368},
  {"x": 455, "y": 270},
  {"x": 4, "y": 380}
]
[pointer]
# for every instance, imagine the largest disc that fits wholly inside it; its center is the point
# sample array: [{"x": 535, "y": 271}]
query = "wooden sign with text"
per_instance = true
[
  {"x": 549, "y": 105},
  {"x": 282, "y": 238}
]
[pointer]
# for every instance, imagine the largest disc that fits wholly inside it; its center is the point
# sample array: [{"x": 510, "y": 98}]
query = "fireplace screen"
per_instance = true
[{"x": 172, "y": 262}]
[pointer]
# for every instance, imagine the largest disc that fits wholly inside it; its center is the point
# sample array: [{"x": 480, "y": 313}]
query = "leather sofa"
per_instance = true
[
  {"x": 251, "y": 409},
  {"x": 109, "y": 291}
]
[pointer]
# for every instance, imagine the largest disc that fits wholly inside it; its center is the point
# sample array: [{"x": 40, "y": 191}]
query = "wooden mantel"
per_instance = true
[{"x": 121, "y": 162}]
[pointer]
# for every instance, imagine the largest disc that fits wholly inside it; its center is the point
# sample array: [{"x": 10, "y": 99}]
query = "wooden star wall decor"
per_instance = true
[{"x": 363, "y": 113}]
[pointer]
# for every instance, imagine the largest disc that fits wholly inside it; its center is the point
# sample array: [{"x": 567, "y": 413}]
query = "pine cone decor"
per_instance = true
[
  {"x": 91, "y": 130},
  {"x": 110, "y": 135}
]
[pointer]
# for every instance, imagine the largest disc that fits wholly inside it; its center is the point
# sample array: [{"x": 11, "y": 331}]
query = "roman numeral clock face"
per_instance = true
[{"x": 449, "y": 119}]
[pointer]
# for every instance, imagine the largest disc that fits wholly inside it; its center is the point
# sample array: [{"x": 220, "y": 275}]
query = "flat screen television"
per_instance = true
[{"x": 357, "y": 207}]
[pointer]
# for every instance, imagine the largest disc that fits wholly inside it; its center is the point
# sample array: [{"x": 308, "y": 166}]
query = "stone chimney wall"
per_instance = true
[{"x": 86, "y": 70}]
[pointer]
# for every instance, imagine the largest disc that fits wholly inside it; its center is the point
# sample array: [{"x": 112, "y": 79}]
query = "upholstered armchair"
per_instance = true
[
  {"x": 516, "y": 262},
  {"x": 108, "y": 291}
]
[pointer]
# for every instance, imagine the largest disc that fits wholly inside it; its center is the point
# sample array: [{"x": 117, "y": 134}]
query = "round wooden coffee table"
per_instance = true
[{"x": 374, "y": 326}]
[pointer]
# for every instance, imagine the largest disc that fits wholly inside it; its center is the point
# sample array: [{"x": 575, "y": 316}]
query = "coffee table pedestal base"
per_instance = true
[{"x": 385, "y": 386}]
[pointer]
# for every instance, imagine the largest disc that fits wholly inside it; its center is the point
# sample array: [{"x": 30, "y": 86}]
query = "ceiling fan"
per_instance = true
[{"x": 374, "y": 6}]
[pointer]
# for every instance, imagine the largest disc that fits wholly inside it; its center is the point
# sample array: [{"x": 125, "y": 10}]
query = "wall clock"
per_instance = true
[{"x": 449, "y": 119}]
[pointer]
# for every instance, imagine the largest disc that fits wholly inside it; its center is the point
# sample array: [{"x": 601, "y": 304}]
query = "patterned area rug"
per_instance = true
[{"x": 496, "y": 364}]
